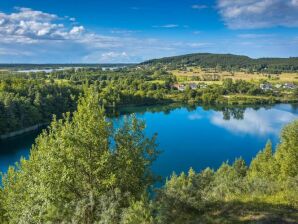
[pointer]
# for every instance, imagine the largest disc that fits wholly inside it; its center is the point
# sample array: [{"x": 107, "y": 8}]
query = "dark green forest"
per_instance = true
[
  {"x": 83, "y": 170},
  {"x": 228, "y": 62},
  {"x": 27, "y": 99}
]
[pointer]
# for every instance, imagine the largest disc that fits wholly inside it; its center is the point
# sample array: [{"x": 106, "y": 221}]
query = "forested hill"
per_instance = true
[{"x": 227, "y": 62}]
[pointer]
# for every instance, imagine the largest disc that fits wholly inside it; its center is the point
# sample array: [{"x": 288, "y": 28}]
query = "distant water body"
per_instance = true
[
  {"x": 49, "y": 70},
  {"x": 191, "y": 137}
]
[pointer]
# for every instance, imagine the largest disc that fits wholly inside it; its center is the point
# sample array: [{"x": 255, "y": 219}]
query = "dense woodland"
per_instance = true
[
  {"x": 82, "y": 170},
  {"x": 227, "y": 62},
  {"x": 28, "y": 99}
]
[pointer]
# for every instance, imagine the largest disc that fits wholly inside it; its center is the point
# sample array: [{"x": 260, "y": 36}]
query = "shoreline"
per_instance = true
[
  {"x": 22, "y": 131},
  {"x": 226, "y": 102}
]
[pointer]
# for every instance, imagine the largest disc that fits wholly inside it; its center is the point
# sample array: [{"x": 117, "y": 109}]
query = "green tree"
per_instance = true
[
  {"x": 139, "y": 212},
  {"x": 2, "y": 211},
  {"x": 263, "y": 165},
  {"x": 228, "y": 182},
  {"x": 75, "y": 167},
  {"x": 287, "y": 151}
]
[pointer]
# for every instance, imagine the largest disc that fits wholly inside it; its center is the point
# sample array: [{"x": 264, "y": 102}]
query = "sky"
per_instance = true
[{"x": 129, "y": 31}]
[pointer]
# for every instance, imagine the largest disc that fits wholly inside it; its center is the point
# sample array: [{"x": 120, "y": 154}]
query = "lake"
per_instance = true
[{"x": 191, "y": 136}]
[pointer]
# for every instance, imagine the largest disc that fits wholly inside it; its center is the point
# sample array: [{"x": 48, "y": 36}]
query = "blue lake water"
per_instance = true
[{"x": 191, "y": 137}]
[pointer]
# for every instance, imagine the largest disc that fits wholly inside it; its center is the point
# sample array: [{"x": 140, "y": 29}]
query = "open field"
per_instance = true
[{"x": 216, "y": 77}]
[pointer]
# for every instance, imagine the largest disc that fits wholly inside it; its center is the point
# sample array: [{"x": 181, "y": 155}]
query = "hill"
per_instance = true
[{"x": 226, "y": 62}]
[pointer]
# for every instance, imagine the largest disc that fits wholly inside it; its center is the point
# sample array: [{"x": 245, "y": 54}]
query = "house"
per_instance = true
[
  {"x": 277, "y": 86},
  {"x": 289, "y": 86},
  {"x": 266, "y": 86},
  {"x": 180, "y": 87},
  {"x": 203, "y": 86},
  {"x": 193, "y": 86}
]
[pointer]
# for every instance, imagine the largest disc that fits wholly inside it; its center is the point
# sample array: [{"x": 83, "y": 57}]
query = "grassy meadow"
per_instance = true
[{"x": 212, "y": 76}]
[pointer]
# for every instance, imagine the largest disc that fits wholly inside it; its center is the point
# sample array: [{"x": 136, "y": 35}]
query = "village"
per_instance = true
[{"x": 263, "y": 86}]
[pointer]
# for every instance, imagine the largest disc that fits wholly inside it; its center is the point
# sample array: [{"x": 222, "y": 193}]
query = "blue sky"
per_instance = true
[{"x": 102, "y": 31}]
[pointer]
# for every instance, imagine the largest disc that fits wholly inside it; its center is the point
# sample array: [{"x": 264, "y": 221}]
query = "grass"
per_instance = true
[
  {"x": 252, "y": 212},
  {"x": 157, "y": 81},
  {"x": 193, "y": 73},
  {"x": 238, "y": 212}
]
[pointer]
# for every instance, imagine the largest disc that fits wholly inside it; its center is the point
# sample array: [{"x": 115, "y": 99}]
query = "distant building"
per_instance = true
[
  {"x": 193, "y": 85},
  {"x": 277, "y": 86},
  {"x": 180, "y": 87},
  {"x": 266, "y": 86},
  {"x": 289, "y": 86},
  {"x": 202, "y": 85}
]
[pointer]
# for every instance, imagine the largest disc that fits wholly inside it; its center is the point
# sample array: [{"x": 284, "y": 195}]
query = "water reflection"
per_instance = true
[
  {"x": 255, "y": 122},
  {"x": 192, "y": 136}
]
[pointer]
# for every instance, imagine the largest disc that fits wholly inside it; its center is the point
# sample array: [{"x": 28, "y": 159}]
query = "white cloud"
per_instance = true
[
  {"x": 123, "y": 32},
  {"x": 199, "y": 6},
  {"x": 294, "y": 3},
  {"x": 167, "y": 26},
  {"x": 254, "y": 35},
  {"x": 30, "y": 26},
  {"x": 77, "y": 30},
  {"x": 254, "y": 14},
  {"x": 13, "y": 52},
  {"x": 111, "y": 56},
  {"x": 50, "y": 39}
]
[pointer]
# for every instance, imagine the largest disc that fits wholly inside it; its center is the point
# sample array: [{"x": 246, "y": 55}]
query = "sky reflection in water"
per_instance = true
[{"x": 197, "y": 138}]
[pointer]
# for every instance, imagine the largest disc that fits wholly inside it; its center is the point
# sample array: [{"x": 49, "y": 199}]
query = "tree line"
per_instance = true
[
  {"x": 32, "y": 98},
  {"x": 83, "y": 170},
  {"x": 227, "y": 62}
]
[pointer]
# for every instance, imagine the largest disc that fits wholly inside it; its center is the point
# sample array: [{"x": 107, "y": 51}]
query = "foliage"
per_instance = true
[
  {"x": 24, "y": 103},
  {"x": 287, "y": 152},
  {"x": 33, "y": 98},
  {"x": 140, "y": 212},
  {"x": 271, "y": 178},
  {"x": 227, "y": 62},
  {"x": 81, "y": 170}
]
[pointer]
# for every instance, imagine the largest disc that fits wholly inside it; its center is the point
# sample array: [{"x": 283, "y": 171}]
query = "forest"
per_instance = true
[
  {"x": 84, "y": 170},
  {"x": 27, "y": 99},
  {"x": 149, "y": 112},
  {"x": 228, "y": 62}
]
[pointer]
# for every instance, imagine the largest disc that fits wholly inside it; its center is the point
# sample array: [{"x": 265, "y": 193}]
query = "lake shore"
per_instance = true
[{"x": 22, "y": 131}]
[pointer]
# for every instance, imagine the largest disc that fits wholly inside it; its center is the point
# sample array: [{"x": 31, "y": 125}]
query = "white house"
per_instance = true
[{"x": 266, "y": 86}]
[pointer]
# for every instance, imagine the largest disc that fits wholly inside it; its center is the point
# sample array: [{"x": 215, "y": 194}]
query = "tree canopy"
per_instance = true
[{"x": 81, "y": 170}]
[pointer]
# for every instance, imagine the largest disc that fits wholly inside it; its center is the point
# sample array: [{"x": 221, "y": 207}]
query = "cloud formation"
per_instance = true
[
  {"x": 30, "y": 26},
  {"x": 254, "y": 35},
  {"x": 255, "y": 14},
  {"x": 199, "y": 6},
  {"x": 167, "y": 26},
  {"x": 33, "y": 36}
]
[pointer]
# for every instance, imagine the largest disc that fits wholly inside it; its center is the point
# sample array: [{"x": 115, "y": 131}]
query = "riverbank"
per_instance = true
[{"x": 22, "y": 131}]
